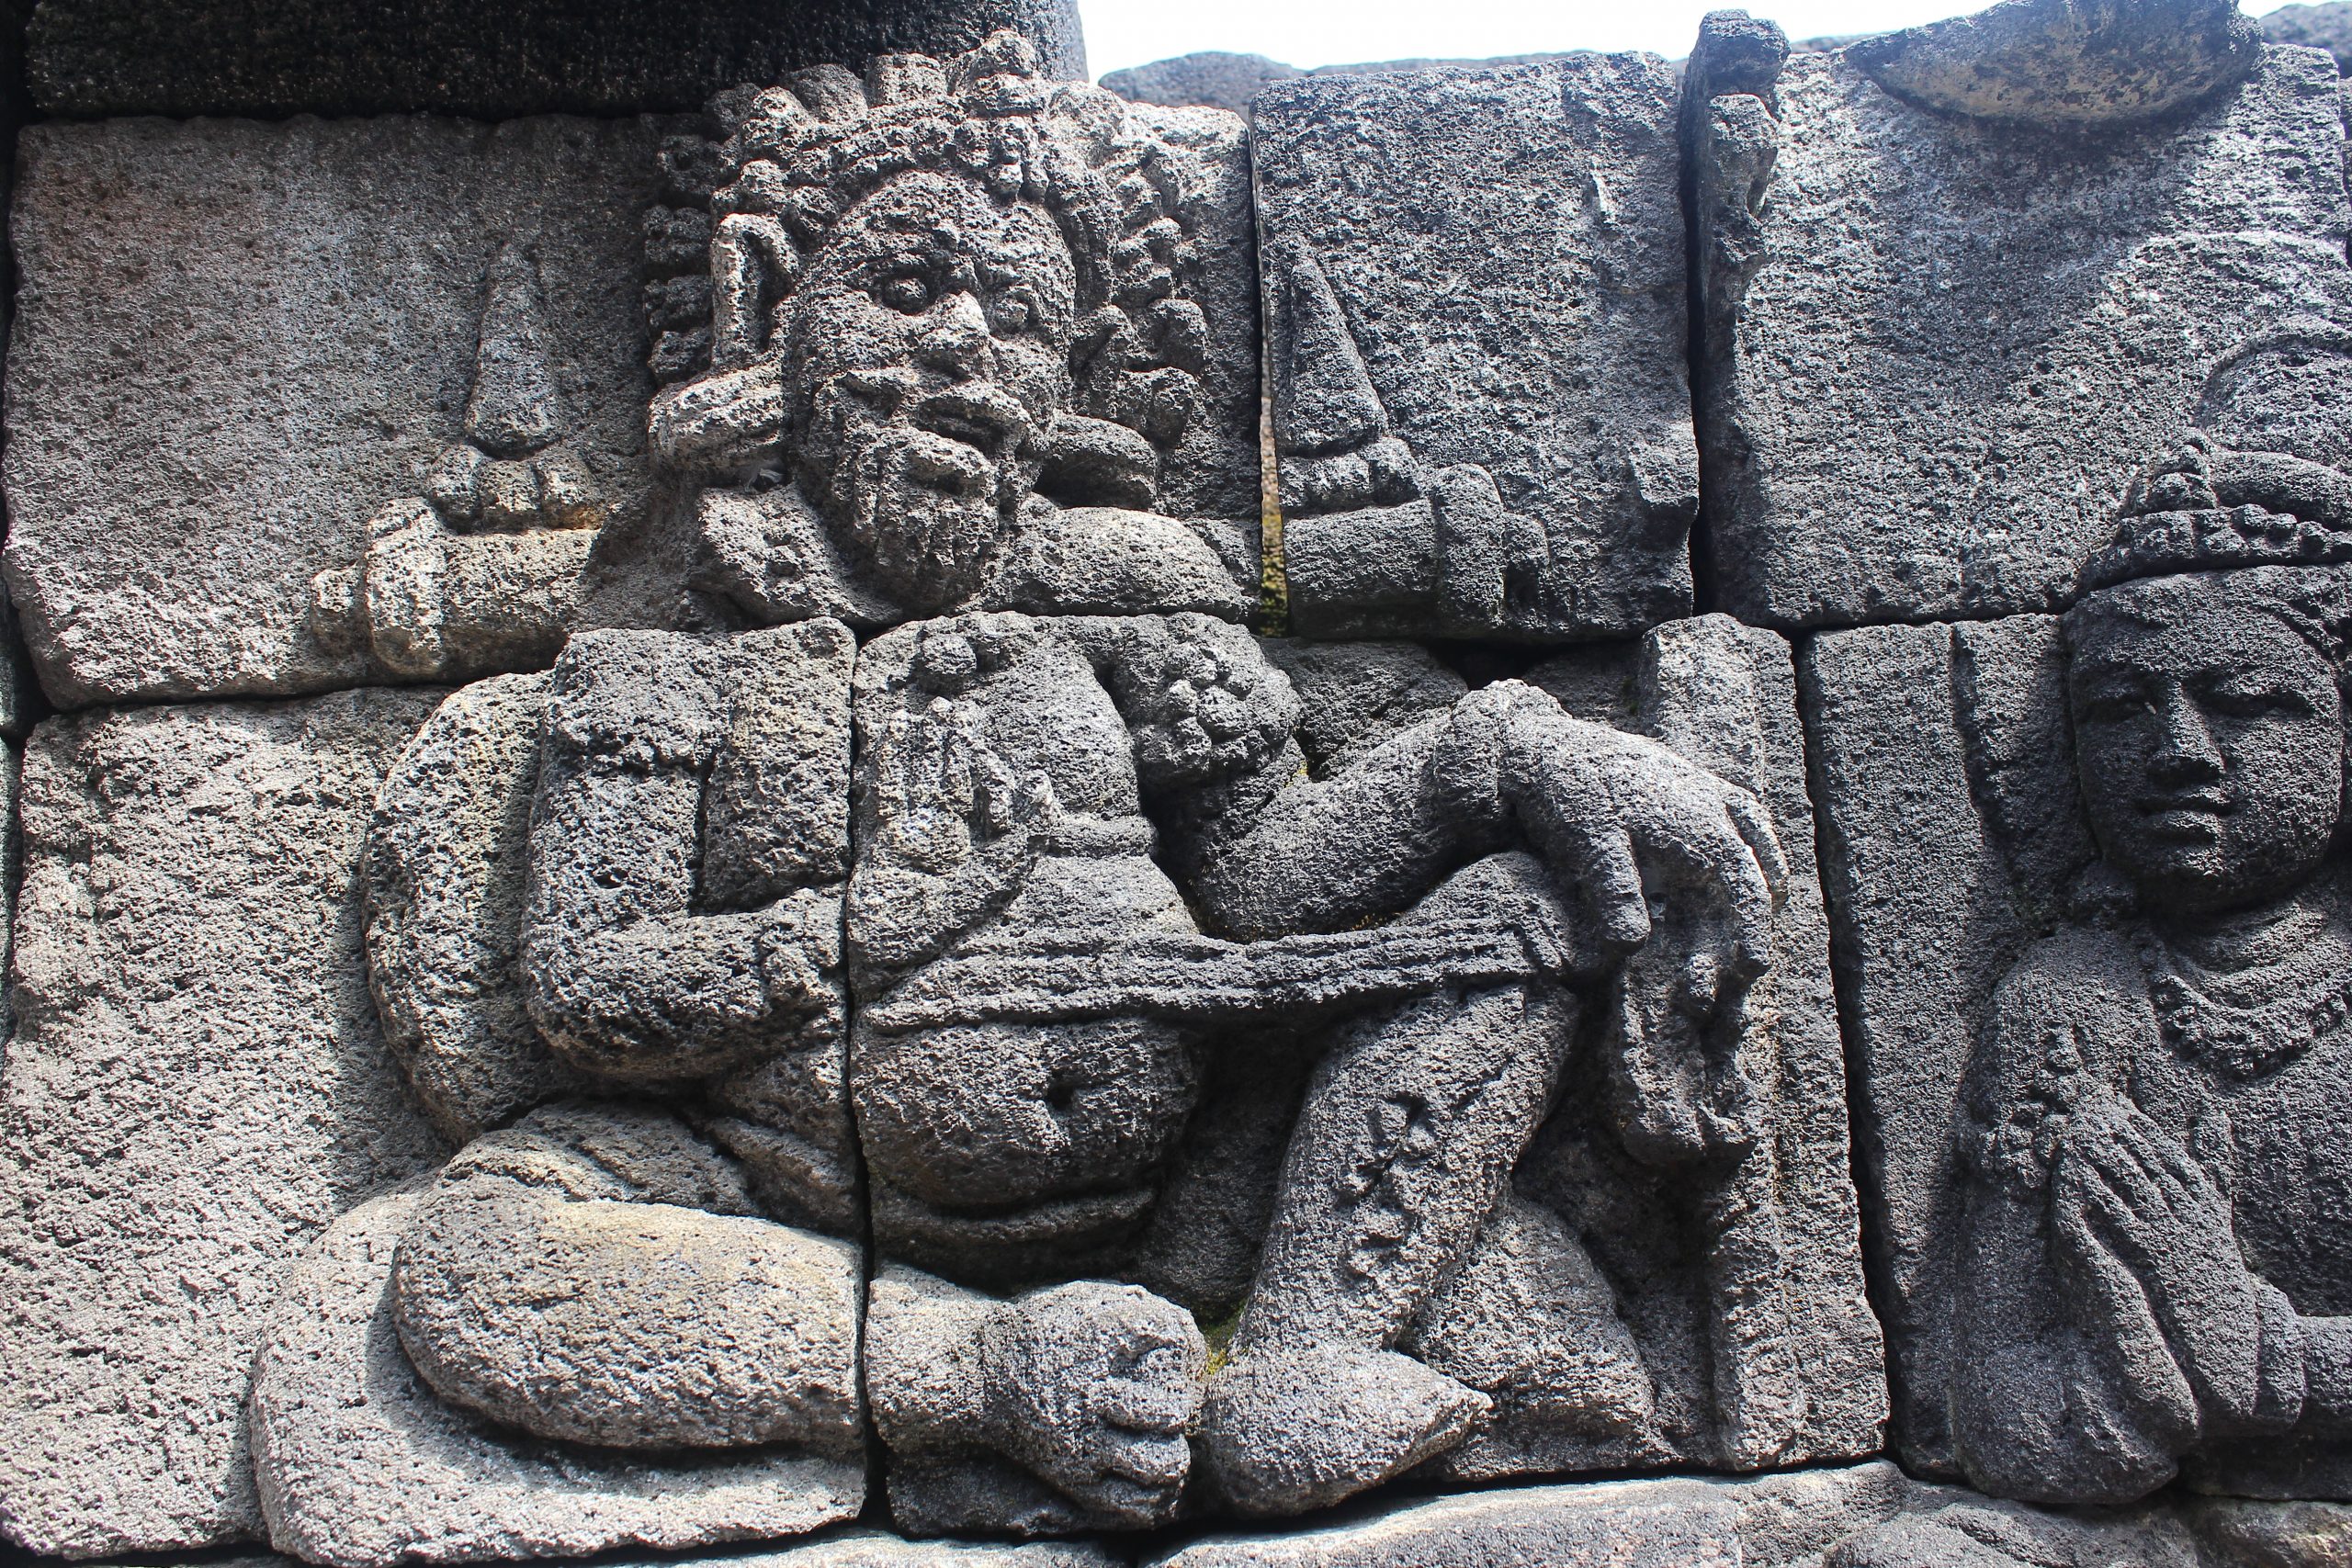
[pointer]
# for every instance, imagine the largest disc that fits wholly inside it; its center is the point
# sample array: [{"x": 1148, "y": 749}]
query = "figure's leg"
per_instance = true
[
  {"x": 599, "y": 1276},
  {"x": 1406, "y": 1142}
]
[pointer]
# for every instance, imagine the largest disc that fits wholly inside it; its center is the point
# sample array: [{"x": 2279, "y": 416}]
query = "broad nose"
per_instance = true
[
  {"x": 2185, "y": 749},
  {"x": 954, "y": 337}
]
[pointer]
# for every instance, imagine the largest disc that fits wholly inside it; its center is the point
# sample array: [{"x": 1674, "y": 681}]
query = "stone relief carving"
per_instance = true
[
  {"x": 1475, "y": 289},
  {"x": 2151, "y": 1151},
  {"x": 953, "y": 1028},
  {"x": 480, "y": 572},
  {"x": 954, "y": 347}
]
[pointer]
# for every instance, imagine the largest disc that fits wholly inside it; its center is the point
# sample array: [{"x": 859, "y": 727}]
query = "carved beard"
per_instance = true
[{"x": 922, "y": 512}]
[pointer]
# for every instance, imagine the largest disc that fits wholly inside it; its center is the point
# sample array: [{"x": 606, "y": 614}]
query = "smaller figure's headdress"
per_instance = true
[{"x": 2261, "y": 481}]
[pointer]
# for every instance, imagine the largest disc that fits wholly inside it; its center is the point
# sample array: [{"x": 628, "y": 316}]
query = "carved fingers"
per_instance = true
[
  {"x": 2133, "y": 1194},
  {"x": 1094, "y": 1386},
  {"x": 1633, "y": 824}
]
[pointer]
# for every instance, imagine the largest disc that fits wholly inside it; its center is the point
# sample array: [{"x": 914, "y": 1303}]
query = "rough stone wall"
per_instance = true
[{"x": 817, "y": 799}]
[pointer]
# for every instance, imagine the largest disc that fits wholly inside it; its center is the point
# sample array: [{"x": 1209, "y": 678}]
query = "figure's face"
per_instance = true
[
  {"x": 927, "y": 352},
  {"x": 2210, "y": 742}
]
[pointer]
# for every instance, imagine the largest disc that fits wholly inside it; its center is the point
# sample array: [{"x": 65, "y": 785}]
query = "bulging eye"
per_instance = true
[{"x": 907, "y": 291}]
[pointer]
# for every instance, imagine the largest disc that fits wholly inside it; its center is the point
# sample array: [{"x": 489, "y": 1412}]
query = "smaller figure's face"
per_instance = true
[
  {"x": 927, "y": 352},
  {"x": 2210, "y": 743}
]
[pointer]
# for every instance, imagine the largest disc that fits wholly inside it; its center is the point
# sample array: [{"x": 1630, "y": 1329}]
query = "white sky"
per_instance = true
[{"x": 1333, "y": 32}]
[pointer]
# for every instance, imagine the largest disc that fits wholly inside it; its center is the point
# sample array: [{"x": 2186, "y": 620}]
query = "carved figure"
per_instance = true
[
  {"x": 2154, "y": 1239},
  {"x": 955, "y": 343},
  {"x": 1081, "y": 854},
  {"x": 1050, "y": 812}
]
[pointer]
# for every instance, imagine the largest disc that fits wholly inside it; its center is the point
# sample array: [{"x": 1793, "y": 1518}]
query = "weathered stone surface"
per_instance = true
[
  {"x": 1932, "y": 900},
  {"x": 876, "y": 1548},
  {"x": 1058, "y": 1411},
  {"x": 1474, "y": 301},
  {"x": 238, "y": 342},
  {"x": 1933, "y": 349},
  {"x": 2327, "y": 26},
  {"x": 334, "y": 57},
  {"x": 1040, "y": 1067},
  {"x": 196, "y": 1087},
  {"x": 2059, "y": 63},
  {"x": 2091, "y": 924},
  {"x": 1211, "y": 79},
  {"x": 449, "y": 849},
  {"x": 362, "y": 1466},
  {"x": 1868, "y": 1516},
  {"x": 1059, "y": 413}
]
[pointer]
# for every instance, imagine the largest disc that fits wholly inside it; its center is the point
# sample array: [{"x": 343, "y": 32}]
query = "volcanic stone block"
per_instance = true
[
  {"x": 1213, "y": 78},
  {"x": 1949, "y": 840},
  {"x": 1934, "y": 348},
  {"x": 360, "y": 1465},
  {"x": 237, "y": 342},
  {"x": 339, "y": 57},
  {"x": 1867, "y": 1516},
  {"x": 196, "y": 1087},
  {"x": 1474, "y": 301}
]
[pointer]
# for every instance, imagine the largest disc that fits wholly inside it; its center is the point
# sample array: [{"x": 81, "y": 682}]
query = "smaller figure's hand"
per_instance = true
[
  {"x": 2124, "y": 1185},
  {"x": 1200, "y": 701},
  {"x": 1092, "y": 1387}
]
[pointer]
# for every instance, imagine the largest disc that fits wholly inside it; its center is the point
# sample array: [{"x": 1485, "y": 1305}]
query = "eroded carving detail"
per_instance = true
[
  {"x": 2153, "y": 1166},
  {"x": 956, "y": 346}
]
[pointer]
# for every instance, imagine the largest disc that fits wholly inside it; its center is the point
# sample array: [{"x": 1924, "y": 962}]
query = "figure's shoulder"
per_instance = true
[
  {"x": 2084, "y": 981},
  {"x": 1111, "y": 561}
]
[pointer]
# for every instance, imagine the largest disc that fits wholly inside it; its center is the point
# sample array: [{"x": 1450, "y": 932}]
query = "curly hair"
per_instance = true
[{"x": 779, "y": 166}]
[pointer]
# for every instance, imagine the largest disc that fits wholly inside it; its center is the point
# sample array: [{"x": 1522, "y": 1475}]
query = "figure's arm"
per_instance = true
[
  {"x": 1505, "y": 765},
  {"x": 653, "y": 947},
  {"x": 2107, "y": 1324}
]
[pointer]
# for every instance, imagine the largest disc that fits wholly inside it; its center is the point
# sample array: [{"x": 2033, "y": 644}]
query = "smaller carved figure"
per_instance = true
[{"x": 2158, "y": 1237}]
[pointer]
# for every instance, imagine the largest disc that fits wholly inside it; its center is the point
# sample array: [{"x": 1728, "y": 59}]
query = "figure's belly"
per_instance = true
[{"x": 2292, "y": 1134}]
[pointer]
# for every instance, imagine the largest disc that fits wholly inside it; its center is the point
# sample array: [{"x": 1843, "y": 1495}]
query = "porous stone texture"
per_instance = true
[
  {"x": 237, "y": 342},
  {"x": 1474, "y": 301},
  {"x": 2091, "y": 927},
  {"x": 449, "y": 849},
  {"x": 1211, "y": 79},
  {"x": 1867, "y": 1516},
  {"x": 2327, "y": 26},
  {"x": 1933, "y": 898},
  {"x": 1934, "y": 348},
  {"x": 196, "y": 1087},
  {"x": 1060, "y": 414},
  {"x": 361, "y": 1464},
  {"x": 280, "y": 57},
  {"x": 1070, "y": 1047}
]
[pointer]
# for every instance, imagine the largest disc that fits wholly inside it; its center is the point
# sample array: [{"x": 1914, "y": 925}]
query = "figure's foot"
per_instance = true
[{"x": 1290, "y": 1430}]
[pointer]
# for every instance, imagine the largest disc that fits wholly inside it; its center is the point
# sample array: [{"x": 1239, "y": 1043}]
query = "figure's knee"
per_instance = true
[
  {"x": 603, "y": 1276},
  {"x": 989, "y": 1116}
]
